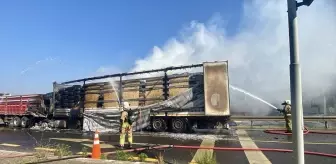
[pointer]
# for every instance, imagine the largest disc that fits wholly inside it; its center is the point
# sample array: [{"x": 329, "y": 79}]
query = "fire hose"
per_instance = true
[
  {"x": 198, "y": 147},
  {"x": 271, "y": 131},
  {"x": 306, "y": 131},
  {"x": 223, "y": 149}
]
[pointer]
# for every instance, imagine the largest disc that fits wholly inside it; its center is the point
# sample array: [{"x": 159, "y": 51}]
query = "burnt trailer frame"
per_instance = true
[
  {"x": 186, "y": 120},
  {"x": 120, "y": 75}
]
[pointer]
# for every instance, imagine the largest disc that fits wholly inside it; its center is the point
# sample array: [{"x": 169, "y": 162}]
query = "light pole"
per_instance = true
[{"x": 295, "y": 80}]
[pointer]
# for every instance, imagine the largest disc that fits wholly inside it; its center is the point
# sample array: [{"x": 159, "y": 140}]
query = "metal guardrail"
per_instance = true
[{"x": 279, "y": 118}]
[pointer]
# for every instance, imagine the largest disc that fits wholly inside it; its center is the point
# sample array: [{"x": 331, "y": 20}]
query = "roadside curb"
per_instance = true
[
  {"x": 131, "y": 158},
  {"x": 146, "y": 159},
  {"x": 13, "y": 154},
  {"x": 10, "y": 145},
  {"x": 45, "y": 149},
  {"x": 90, "y": 160}
]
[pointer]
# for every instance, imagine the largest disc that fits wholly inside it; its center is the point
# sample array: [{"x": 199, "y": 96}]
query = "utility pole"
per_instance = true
[
  {"x": 325, "y": 110},
  {"x": 295, "y": 80}
]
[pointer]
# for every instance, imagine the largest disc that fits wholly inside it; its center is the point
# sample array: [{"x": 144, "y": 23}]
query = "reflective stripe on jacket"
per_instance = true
[
  {"x": 124, "y": 115},
  {"x": 287, "y": 109}
]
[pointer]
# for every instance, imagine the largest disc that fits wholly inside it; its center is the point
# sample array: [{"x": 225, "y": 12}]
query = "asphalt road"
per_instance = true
[{"x": 27, "y": 140}]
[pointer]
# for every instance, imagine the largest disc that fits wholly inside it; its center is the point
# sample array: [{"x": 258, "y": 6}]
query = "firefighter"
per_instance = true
[
  {"x": 126, "y": 127},
  {"x": 287, "y": 115}
]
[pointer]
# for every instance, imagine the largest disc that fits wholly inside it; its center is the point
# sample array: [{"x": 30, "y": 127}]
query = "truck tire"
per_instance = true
[
  {"x": 71, "y": 105},
  {"x": 78, "y": 124},
  {"x": 63, "y": 124},
  {"x": 178, "y": 125},
  {"x": 24, "y": 122},
  {"x": 16, "y": 121},
  {"x": 159, "y": 125}
]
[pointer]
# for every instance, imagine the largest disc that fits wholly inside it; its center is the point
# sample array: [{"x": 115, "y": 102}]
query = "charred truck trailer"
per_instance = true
[
  {"x": 208, "y": 109},
  {"x": 170, "y": 102}
]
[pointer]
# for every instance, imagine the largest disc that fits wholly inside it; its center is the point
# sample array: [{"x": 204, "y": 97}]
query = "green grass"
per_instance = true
[
  {"x": 207, "y": 158},
  {"x": 143, "y": 157},
  {"x": 85, "y": 151},
  {"x": 122, "y": 156},
  {"x": 160, "y": 158},
  {"x": 103, "y": 156},
  {"x": 62, "y": 150}
]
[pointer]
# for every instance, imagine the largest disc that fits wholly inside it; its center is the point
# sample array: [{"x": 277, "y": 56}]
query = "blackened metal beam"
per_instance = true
[
  {"x": 83, "y": 103},
  {"x": 121, "y": 101},
  {"x": 165, "y": 86},
  {"x": 134, "y": 73}
]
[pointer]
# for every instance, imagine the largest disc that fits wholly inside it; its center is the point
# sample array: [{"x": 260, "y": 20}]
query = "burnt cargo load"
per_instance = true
[
  {"x": 209, "y": 106},
  {"x": 65, "y": 106},
  {"x": 177, "y": 102},
  {"x": 22, "y": 110}
]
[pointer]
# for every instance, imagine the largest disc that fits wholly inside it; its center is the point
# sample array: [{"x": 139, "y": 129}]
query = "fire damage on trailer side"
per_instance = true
[{"x": 177, "y": 102}]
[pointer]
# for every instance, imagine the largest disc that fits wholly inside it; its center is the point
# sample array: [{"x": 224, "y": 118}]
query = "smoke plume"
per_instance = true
[{"x": 258, "y": 54}]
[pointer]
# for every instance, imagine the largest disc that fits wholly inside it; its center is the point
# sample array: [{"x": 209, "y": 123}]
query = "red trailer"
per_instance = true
[{"x": 22, "y": 110}]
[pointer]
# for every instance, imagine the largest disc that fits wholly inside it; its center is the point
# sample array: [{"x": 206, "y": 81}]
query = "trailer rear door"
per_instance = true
[{"x": 216, "y": 88}]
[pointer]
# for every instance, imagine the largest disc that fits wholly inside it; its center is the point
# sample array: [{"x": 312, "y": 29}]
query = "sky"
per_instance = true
[
  {"x": 46, "y": 41},
  {"x": 77, "y": 39}
]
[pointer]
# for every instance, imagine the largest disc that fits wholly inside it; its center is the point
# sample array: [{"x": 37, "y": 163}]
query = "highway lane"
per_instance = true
[{"x": 25, "y": 140}]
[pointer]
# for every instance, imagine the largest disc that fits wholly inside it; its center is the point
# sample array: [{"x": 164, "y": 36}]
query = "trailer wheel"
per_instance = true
[
  {"x": 78, "y": 125},
  {"x": 24, "y": 122},
  {"x": 178, "y": 125},
  {"x": 159, "y": 125},
  {"x": 16, "y": 121}
]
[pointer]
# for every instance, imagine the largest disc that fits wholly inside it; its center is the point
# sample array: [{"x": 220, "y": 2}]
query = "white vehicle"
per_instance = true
[{"x": 4, "y": 95}]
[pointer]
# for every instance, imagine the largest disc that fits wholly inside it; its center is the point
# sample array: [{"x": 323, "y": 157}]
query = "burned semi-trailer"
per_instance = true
[
  {"x": 209, "y": 108},
  {"x": 170, "y": 102}
]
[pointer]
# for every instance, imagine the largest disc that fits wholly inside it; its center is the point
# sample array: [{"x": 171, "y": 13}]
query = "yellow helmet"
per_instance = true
[
  {"x": 286, "y": 102},
  {"x": 126, "y": 104}
]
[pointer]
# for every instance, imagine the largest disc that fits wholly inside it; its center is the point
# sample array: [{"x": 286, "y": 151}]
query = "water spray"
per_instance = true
[
  {"x": 36, "y": 63},
  {"x": 113, "y": 87},
  {"x": 253, "y": 96}
]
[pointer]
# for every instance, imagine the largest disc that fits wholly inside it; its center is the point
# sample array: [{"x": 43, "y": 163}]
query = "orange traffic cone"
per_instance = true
[{"x": 96, "y": 147}]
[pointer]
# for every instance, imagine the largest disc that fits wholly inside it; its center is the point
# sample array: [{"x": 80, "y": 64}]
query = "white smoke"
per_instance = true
[{"x": 258, "y": 54}]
